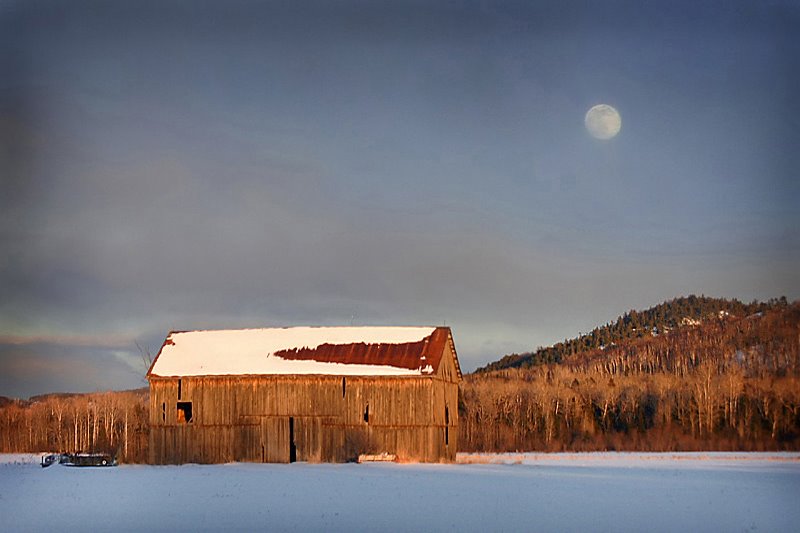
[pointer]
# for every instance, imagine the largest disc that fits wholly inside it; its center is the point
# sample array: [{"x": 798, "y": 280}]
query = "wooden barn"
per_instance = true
[{"x": 318, "y": 394}]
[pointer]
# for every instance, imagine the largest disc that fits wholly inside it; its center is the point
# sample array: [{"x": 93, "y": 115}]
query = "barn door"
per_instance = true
[{"x": 275, "y": 440}]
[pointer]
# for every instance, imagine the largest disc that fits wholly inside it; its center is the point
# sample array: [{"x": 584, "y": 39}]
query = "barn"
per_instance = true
[{"x": 317, "y": 394}]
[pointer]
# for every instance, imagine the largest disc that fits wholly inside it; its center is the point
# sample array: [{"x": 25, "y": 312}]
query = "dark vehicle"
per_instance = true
[{"x": 87, "y": 459}]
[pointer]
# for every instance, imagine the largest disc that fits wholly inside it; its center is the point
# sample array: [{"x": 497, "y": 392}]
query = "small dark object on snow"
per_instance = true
[
  {"x": 87, "y": 459},
  {"x": 47, "y": 460}
]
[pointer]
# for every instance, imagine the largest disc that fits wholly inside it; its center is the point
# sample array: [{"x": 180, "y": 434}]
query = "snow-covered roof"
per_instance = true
[{"x": 354, "y": 351}]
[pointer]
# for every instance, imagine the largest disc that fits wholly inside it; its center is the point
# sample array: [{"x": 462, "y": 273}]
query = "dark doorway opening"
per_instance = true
[{"x": 292, "y": 447}]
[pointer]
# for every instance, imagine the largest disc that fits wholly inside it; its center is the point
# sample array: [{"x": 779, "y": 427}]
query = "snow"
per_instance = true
[
  {"x": 508, "y": 492},
  {"x": 21, "y": 458},
  {"x": 251, "y": 351}
]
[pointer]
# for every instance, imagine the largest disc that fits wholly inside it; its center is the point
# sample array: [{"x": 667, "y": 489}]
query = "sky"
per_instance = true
[{"x": 204, "y": 165}]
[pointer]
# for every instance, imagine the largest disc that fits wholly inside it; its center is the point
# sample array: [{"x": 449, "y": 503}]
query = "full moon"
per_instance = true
[{"x": 603, "y": 121}]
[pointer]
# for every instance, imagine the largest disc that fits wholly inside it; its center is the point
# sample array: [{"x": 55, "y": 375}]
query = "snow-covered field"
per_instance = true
[{"x": 509, "y": 492}]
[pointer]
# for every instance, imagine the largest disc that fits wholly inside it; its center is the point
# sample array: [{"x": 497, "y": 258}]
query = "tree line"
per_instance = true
[{"x": 111, "y": 422}]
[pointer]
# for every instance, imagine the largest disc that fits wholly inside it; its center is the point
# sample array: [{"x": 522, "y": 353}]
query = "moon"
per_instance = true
[{"x": 603, "y": 122}]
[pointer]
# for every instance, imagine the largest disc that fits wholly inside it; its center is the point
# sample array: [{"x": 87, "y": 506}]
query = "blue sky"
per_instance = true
[{"x": 204, "y": 165}]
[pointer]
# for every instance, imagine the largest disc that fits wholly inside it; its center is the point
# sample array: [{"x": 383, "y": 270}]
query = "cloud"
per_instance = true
[
  {"x": 95, "y": 341},
  {"x": 30, "y": 369}
]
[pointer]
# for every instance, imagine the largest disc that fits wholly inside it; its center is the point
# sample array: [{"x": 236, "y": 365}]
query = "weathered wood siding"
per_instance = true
[{"x": 253, "y": 418}]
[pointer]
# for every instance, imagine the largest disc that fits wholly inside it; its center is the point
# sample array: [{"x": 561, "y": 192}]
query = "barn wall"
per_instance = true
[{"x": 252, "y": 418}]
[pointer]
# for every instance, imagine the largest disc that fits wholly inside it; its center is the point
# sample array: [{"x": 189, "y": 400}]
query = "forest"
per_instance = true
[
  {"x": 725, "y": 376},
  {"x": 114, "y": 422},
  {"x": 728, "y": 382}
]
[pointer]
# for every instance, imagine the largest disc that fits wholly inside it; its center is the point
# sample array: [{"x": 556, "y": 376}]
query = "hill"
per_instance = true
[
  {"x": 5, "y": 400},
  {"x": 56, "y": 396},
  {"x": 673, "y": 314},
  {"x": 725, "y": 382}
]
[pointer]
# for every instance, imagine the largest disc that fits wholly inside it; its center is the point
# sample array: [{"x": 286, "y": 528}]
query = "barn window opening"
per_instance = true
[
  {"x": 184, "y": 412},
  {"x": 366, "y": 414},
  {"x": 179, "y": 388},
  {"x": 446, "y": 426},
  {"x": 344, "y": 386},
  {"x": 164, "y": 412}
]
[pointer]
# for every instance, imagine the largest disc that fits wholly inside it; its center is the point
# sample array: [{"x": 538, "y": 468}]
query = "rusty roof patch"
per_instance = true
[{"x": 410, "y": 355}]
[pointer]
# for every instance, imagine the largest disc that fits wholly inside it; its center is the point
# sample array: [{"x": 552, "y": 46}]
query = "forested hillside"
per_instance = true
[
  {"x": 729, "y": 383},
  {"x": 657, "y": 320}
]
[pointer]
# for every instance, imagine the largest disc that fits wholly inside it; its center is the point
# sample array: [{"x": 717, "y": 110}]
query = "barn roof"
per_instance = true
[{"x": 355, "y": 351}]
